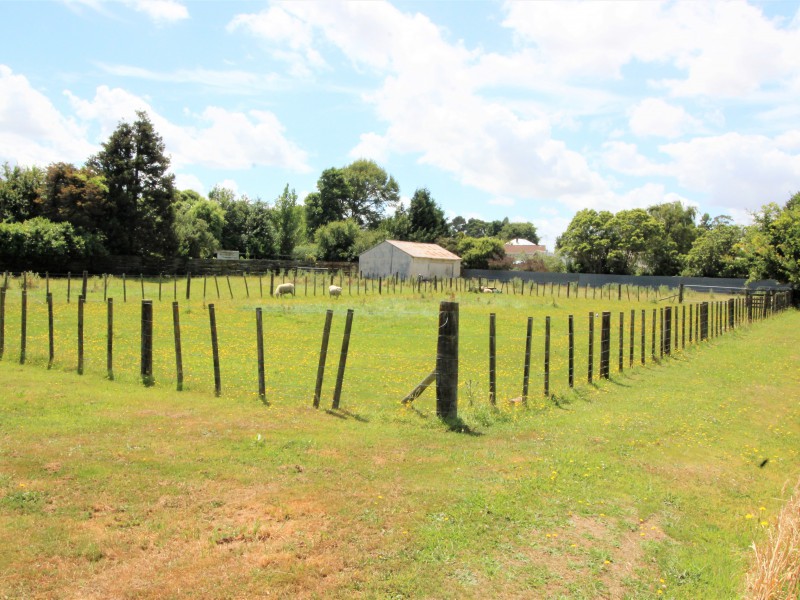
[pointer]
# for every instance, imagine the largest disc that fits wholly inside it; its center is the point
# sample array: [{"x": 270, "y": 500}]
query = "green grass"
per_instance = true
[{"x": 110, "y": 489}]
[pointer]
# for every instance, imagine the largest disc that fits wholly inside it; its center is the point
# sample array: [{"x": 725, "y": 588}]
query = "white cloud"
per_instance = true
[
  {"x": 724, "y": 49},
  {"x": 32, "y": 130},
  {"x": 229, "y": 184},
  {"x": 232, "y": 81},
  {"x": 655, "y": 117},
  {"x": 161, "y": 11},
  {"x": 735, "y": 170},
  {"x": 504, "y": 201},
  {"x": 186, "y": 181},
  {"x": 221, "y": 139}
]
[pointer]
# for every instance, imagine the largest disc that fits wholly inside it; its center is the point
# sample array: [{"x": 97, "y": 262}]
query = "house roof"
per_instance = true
[
  {"x": 420, "y": 250},
  {"x": 519, "y": 242},
  {"x": 528, "y": 248}
]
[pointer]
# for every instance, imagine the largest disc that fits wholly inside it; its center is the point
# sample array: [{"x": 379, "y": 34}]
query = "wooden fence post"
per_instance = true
[
  {"x": 262, "y": 386},
  {"x": 215, "y": 349},
  {"x": 526, "y": 371},
  {"x": 653, "y": 336},
  {"x": 447, "y": 362},
  {"x": 621, "y": 340},
  {"x": 591, "y": 346},
  {"x": 69, "y": 284},
  {"x": 160, "y": 281},
  {"x": 230, "y": 289},
  {"x": 605, "y": 344},
  {"x": 141, "y": 282},
  {"x": 547, "y": 356},
  {"x": 81, "y": 303},
  {"x": 23, "y": 329},
  {"x": 644, "y": 334},
  {"x": 176, "y": 328},
  {"x": 110, "y": 338},
  {"x": 85, "y": 285},
  {"x": 246, "y": 287},
  {"x": 174, "y": 287},
  {"x": 188, "y": 285},
  {"x": 492, "y": 360},
  {"x": 146, "y": 370},
  {"x": 105, "y": 288},
  {"x": 632, "y": 340},
  {"x": 337, "y": 392},
  {"x": 50, "y": 342},
  {"x": 124, "y": 289},
  {"x": 216, "y": 285},
  {"x": 323, "y": 353},
  {"x": 571, "y": 357},
  {"x": 668, "y": 330},
  {"x": 2, "y": 321}
]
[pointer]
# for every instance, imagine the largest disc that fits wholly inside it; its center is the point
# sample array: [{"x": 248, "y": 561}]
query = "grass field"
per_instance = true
[{"x": 650, "y": 485}]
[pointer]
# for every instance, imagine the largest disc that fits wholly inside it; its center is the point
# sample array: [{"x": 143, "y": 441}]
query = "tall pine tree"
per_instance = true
[{"x": 141, "y": 193}]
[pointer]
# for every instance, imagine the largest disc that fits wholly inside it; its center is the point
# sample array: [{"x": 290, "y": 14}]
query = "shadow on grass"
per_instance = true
[
  {"x": 457, "y": 425},
  {"x": 343, "y": 414}
]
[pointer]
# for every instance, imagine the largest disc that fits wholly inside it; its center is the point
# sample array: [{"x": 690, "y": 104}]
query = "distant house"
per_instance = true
[
  {"x": 409, "y": 260},
  {"x": 520, "y": 249}
]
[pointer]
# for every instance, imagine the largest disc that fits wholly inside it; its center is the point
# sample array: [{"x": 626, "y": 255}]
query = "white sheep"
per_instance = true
[
  {"x": 335, "y": 291},
  {"x": 284, "y": 288}
]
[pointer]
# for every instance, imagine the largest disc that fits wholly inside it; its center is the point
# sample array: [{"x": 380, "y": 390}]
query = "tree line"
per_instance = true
[
  {"x": 668, "y": 239},
  {"x": 123, "y": 201}
]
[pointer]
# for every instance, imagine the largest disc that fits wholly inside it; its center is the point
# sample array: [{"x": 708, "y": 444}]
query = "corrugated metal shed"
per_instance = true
[{"x": 420, "y": 250}]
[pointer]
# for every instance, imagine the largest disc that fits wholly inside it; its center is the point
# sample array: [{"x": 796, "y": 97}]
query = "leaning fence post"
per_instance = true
[
  {"x": 146, "y": 370},
  {"x": 323, "y": 353},
  {"x": 215, "y": 349},
  {"x": 262, "y": 387},
  {"x": 447, "y": 362},
  {"x": 492, "y": 360},
  {"x": 110, "y": 338},
  {"x": 50, "y": 344},
  {"x": 176, "y": 328},
  {"x": 23, "y": 330},
  {"x": 526, "y": 372},
  {"x": 69, "y": 284},
  {"x": 337, "y": 392}
]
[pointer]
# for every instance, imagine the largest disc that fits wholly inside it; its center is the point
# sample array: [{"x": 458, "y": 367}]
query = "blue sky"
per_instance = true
[{"x": 526, "y": 110}]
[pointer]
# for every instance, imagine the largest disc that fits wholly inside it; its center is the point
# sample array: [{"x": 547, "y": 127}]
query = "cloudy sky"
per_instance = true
[{"x": 530, "y": 110}]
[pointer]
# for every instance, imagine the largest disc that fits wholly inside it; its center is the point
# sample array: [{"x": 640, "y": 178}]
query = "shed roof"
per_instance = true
[{"x": 420, "y": 250}]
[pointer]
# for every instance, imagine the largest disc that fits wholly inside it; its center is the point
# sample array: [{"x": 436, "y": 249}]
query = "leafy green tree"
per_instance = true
[
  {"x": 631, "y": 233},
  {"x": 259, "y": 238},
  {"x": 426, "y": 218},
  {"x": 398, "y": 225},
  {"x": 328, "y": 203},
  {"x": 459, "y": 224},
  {"x": 141, "y": 192},
  {"x": 19, "y": 190},
  {"x": 237, "y": 212},
  {"x": 198, "y": 225},
  {"x": 477, "y": 253},
  {"x": 40, "y": 243},
  {"x": 76, "y": 196},
  {"x": 514, "y": 231},
  {"x": 336, "y": 241},
  {"x": 587, "y": 242},
  {"x": 371, "y": 190},
  {"x": 666, "y": 254},
  {"x": 772, "y": 243},
  {"x": 716, "y": 252},
  {"x": 287, "y": 222}
]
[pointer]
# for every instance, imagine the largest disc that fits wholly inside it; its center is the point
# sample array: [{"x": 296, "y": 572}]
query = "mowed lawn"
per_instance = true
[{"x": 651, "y": 485}]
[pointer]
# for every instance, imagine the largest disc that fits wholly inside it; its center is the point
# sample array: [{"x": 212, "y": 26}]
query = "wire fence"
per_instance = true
[{"x": 375, "y": 355}]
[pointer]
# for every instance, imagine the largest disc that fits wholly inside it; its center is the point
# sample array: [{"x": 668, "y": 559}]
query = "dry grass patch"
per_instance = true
[{"x": 775, "y": 573}]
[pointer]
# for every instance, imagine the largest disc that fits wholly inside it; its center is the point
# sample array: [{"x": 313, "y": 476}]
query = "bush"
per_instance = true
[{"x": 42, "y": 243}]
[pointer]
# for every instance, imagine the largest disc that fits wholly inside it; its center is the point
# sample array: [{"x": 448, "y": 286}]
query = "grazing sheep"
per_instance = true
[
  {"x": 335, "y": 291},
  {"x": 284, "y": 288},
  {"x": 488, "y": 290}
]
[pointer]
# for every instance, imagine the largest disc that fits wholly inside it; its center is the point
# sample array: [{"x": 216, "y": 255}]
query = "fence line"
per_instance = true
[{"x": 713, "y": 318}]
